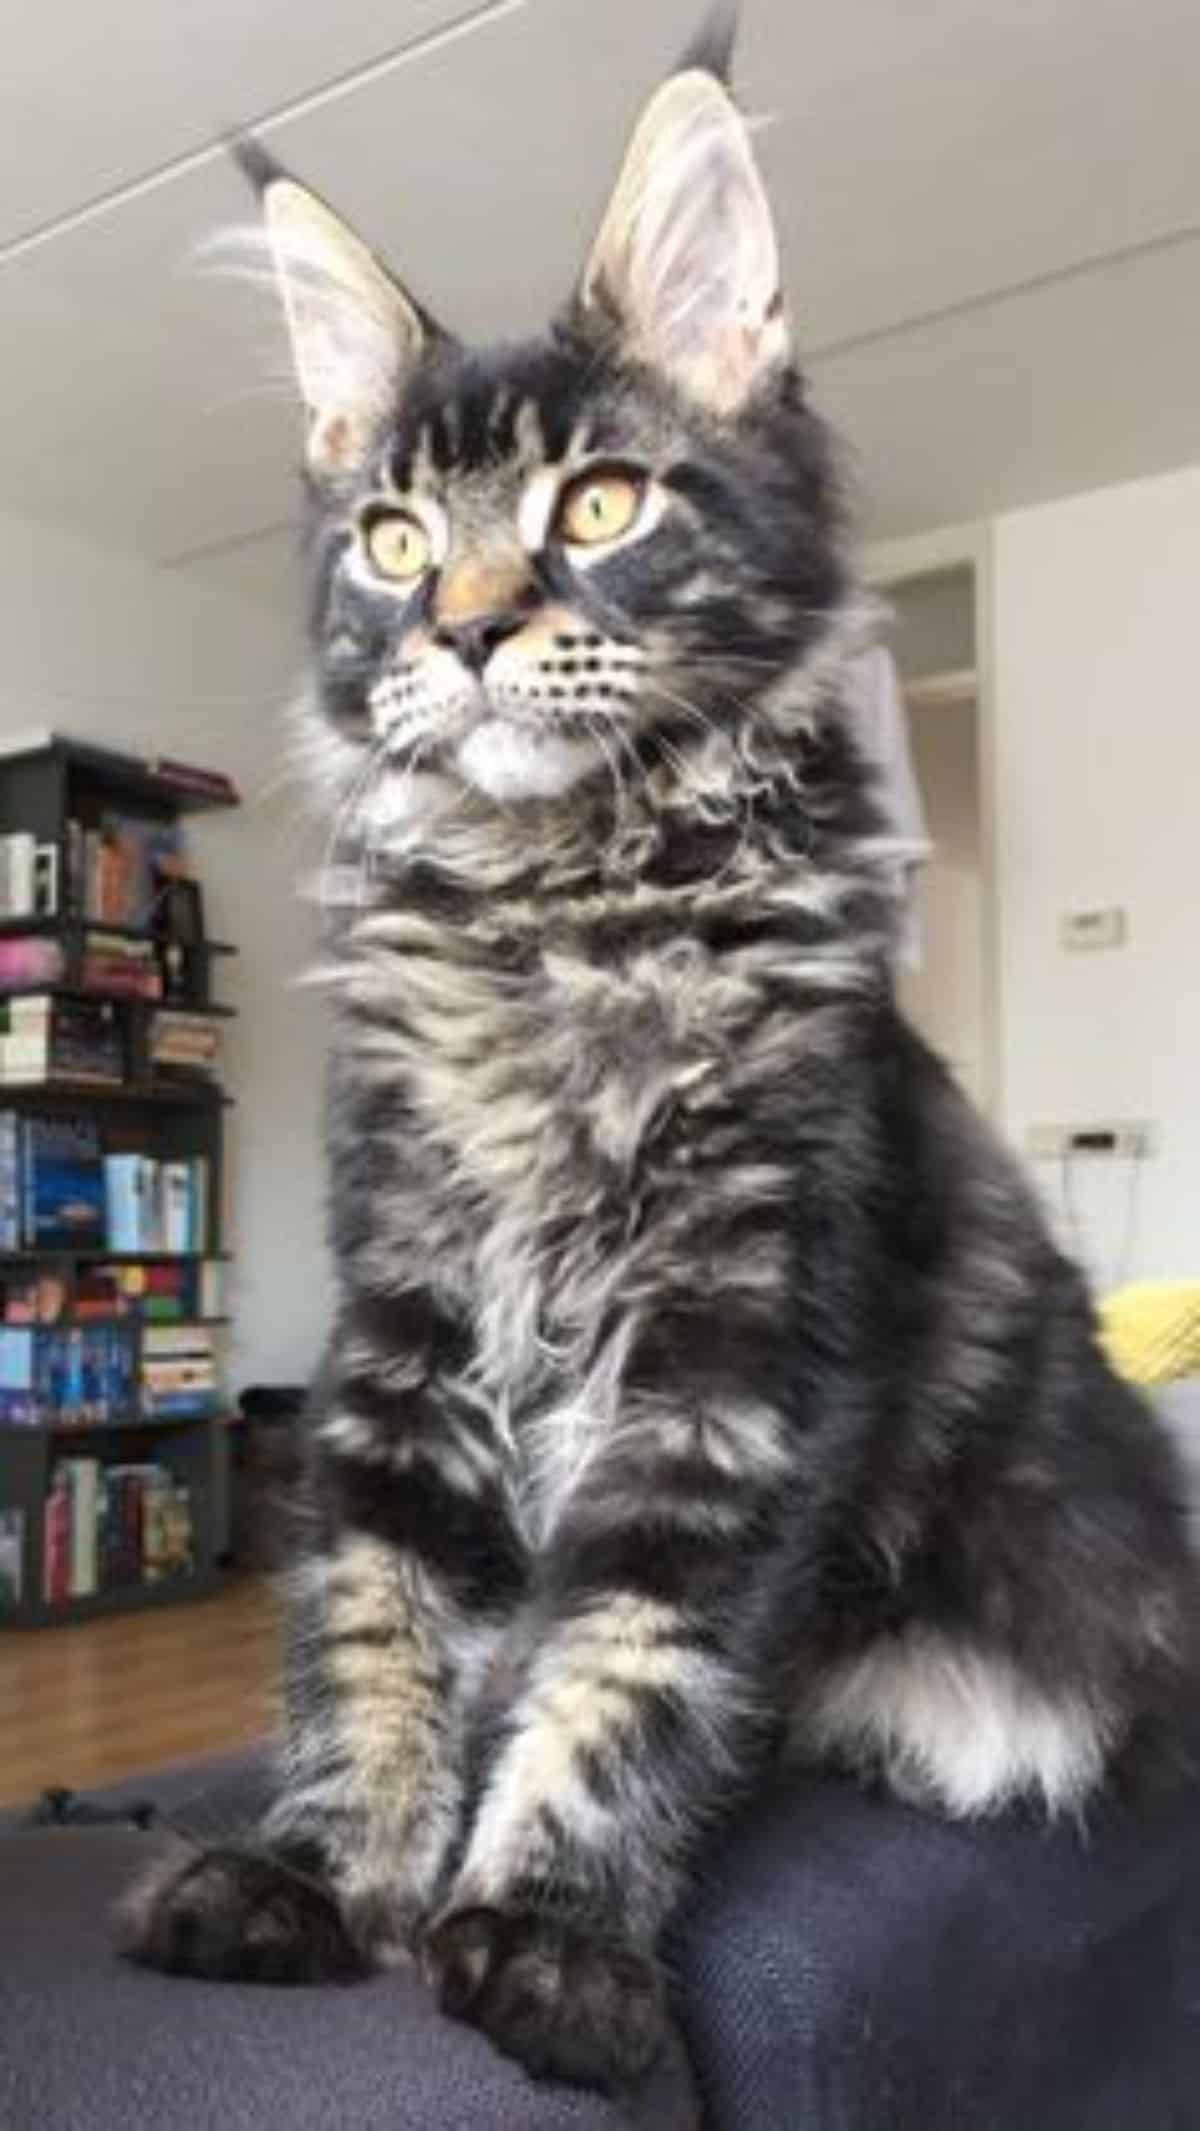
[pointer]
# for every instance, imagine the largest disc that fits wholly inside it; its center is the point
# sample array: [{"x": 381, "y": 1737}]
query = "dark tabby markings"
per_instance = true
[{"x": 703, "y": 1374}]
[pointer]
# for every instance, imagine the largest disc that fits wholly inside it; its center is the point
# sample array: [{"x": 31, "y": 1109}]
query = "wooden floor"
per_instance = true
[{"x": 92, "y": 1704}]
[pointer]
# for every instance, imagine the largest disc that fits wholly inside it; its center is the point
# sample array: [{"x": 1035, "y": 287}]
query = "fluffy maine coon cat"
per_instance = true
[{"x": 703, "y": 1383}]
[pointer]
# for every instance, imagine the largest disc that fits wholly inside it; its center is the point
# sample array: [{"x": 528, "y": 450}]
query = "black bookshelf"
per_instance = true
[
  {"x": 211, "y": 1009},
  {"x": 161, "y": 1094},
  {"x": 43, "y": 787},
  {"x": 70, "y": 927},
  {"x": 116, "y": 777},
  {"x": 122, "y": 1598},
  {"x": 124, "y": 1424}
]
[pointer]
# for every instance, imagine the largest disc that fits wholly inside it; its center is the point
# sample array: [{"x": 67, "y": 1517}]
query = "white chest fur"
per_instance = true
[{"x": 538, "y": 1099}]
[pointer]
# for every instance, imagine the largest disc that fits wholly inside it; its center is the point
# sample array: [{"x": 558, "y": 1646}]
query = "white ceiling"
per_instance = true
[{"x": 990, "y": 214}]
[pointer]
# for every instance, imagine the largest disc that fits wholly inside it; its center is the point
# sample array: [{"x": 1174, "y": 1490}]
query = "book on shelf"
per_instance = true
[
  {"x": 51, "y": 1183},
  {"x": 167, "y": 1294},
  {"x": 181, "y": 1406},
  {"x": 175, "y": 1342},
  {"x": 120, "y": 1539},
  {"x": 175, "y": 1186},
  {"x": 62, "y": 1183},
  {"x": 12, "y": 1559},
  {"x": 12, "y": 1196},
  {"x": 187, "y": 777},
  {"x": 132, "y": 1203},
  {"x": 46, "y": 1038},
  {"x": 156, "y": 1206},
  {"x": 56, "y": 1539},
  {"x": 28, "y": 876},
  {"x": 179, "y": 1372},
  {"x": 98, "y": 1297},
  {"x": 210, "y": 1288},
  {"x": 112, "y": 1526},
  {"x": 17, "y": 851},
  {"x": 190, "y": 1043},
  {"x": 199, "y": 1206},
  {"x": 58, "y": 1191},
  {"x": 83, "y": 1486},
  {"x": 129, "y": 969},
  {"x": 156, "y": 1538},
  {"x": 113, "y": 866},
  {"x": 39, "y": 1298},
  {"x": 67, "y": 1375},
  {"x": 28, "y": 959}
]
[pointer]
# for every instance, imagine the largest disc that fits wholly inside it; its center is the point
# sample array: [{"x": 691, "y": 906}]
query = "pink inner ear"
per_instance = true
[
  {"x": 335, "y": 442},
  {"x": 333, "y": 435}
]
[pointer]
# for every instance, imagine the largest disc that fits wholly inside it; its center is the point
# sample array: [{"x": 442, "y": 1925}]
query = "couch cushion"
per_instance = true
[
  {"x": 88, "y": 2043},
  {"x": 851, "y": 1965}
]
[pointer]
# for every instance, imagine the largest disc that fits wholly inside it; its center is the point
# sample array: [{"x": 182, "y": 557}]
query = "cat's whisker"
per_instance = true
[
  {"x": 348, "y": 811},
  {"x": 686, "y": 707},
  {"x": 733, "y": 788},
  {"x": 598, "y": 728}
]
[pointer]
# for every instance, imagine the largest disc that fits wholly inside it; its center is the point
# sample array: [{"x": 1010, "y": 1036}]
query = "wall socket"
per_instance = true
[
  {"x": 1082, "y": 931},
  {"x": 1104, "y": 1138}
]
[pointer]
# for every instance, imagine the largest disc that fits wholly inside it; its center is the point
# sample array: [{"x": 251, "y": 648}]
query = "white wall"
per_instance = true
[
  {"x": 103, "y": 645},
  {"x": 1098, "y": 802}
]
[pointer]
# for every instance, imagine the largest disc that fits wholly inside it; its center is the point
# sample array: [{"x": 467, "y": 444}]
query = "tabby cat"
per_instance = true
[{"x": 703, "y": 1385}]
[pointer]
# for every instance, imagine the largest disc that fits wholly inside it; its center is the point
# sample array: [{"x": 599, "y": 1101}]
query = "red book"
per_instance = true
[
  {"x": 164, "y": 1280},
  {"x": 214, "y": 783},
  {"x": 56, "y": 1543}
]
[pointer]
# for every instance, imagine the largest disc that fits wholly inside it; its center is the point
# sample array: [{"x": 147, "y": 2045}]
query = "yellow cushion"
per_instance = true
[{"x": 1151, "y": 1330}]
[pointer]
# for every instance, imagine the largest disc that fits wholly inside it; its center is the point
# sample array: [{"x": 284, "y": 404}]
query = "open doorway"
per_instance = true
[{"x": 947, "y": 986}]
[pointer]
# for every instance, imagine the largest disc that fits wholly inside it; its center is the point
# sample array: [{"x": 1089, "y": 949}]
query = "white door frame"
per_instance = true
[{"x": 891, "y": 563}]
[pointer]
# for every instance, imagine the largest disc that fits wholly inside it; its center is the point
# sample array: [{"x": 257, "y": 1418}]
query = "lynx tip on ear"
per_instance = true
[
  {"x": 256, "y": 163},
  {"x": 711, "y": 49}
]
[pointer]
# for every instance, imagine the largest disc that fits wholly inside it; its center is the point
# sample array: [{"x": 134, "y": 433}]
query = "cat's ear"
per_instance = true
[
  {"x": 686, "y": 266},
  {"x": 355, "y": 334}
]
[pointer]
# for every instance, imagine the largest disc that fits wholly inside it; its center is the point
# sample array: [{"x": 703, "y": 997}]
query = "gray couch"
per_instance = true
[{"x": 847, "y": 1965}]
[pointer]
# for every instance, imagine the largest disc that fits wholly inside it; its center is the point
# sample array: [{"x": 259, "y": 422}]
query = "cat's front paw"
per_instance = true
[
  {"x": 236, "y": 1916},
  {"x": 564, "y": 2002}
]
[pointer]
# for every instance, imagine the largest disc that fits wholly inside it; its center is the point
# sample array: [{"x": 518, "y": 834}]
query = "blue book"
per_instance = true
[
  {"x": 64, "y": 1184},
  {"x": 180, "y": 1405},
  {"x": 10, "y": 1180},
  {"x": 150, "y": 1215},
  {"x": 18, "y": 1365},
  {"x": 123, "y": 1201}
]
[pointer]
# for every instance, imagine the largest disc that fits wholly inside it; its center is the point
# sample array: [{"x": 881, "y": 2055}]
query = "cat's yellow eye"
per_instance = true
[
  {"x": 599, "y": 507},
  {"x": 398, "y": 546}
]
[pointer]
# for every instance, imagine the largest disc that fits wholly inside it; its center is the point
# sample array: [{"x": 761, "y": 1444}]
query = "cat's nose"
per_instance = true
[{"x": 477, "y": 636}]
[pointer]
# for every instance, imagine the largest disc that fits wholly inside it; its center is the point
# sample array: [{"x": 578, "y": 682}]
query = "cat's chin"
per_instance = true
[{"x": 508, "y": 762}]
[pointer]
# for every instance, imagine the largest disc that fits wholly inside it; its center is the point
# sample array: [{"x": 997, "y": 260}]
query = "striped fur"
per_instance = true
[{"x": 704, "y": 1384}]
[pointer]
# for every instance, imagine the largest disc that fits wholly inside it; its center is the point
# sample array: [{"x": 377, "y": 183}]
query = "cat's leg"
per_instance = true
[
  {"x": 646, "y": 1657},
  {"x": 410, "y": 1568}
]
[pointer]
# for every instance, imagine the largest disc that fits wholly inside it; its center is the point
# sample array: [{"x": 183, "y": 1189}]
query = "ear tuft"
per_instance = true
[
  {"x": 711, "y": 49},
  {"x": 355, "y": 334},
  {"x": 686, "y": 266},
  {"x": 256, "y": 163}
]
